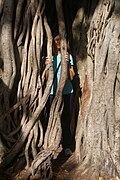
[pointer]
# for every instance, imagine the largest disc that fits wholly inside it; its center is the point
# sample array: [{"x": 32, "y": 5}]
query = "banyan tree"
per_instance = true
[{"x": 91, "y": 31}]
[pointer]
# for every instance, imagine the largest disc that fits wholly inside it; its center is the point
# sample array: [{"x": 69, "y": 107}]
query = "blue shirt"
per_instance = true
[{"x": 57, "y": 68}]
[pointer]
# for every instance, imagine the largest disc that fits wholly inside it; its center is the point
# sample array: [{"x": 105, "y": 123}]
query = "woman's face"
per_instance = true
[{"x": 57, "y": 41}]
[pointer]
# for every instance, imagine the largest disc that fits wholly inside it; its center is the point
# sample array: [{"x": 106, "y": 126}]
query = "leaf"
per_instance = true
[{"x": 101, "y": 178}]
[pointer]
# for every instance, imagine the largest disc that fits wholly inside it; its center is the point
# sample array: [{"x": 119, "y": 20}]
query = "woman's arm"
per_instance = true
[
  {"x": 71, "y": 71},
  {"x": 47, "y": 61}
]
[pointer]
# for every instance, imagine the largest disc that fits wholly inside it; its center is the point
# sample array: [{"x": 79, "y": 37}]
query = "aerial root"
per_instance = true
[{"x": 41, "y": 164}]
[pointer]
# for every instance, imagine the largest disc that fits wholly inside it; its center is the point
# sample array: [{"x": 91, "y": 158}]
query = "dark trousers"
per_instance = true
[{"x": 66, "y": 119}]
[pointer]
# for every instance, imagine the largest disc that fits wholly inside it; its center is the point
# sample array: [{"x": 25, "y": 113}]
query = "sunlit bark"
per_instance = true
[
  {"x": 25, "y": 37},
  {"x": 97, "y": 138}
]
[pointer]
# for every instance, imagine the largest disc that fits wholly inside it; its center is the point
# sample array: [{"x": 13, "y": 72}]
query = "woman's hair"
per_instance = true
[{"x": 55, "y": 33}]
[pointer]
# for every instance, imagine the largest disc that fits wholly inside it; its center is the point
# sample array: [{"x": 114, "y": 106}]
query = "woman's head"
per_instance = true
[
  {"x": 56, "y": 44},
  {"x": 57, "y": 41}
]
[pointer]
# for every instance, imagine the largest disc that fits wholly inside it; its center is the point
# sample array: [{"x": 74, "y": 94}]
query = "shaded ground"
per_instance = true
[{"x": 61, "y": 167}]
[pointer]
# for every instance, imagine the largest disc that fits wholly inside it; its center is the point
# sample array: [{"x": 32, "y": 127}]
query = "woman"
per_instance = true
[{"x": 67, "y": 93}]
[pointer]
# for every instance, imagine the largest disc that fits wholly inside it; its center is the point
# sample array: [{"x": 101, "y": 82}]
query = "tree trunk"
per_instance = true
[
  {"x": 23, "y": 45},
  {"x": 91, "y": 29},
  {"x": 98, "y": 130}
]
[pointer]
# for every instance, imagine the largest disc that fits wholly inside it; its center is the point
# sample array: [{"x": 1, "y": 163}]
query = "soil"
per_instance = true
[{"x": 61, "y": 167}]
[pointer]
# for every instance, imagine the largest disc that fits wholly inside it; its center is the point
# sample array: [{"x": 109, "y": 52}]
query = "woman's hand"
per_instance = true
[
  {"x": 48, "y": 61},
  {"x": 67, "y": 57}
]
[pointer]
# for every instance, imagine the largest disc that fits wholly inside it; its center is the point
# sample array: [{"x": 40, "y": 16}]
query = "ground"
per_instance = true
[{"x": 61, "y": 168}]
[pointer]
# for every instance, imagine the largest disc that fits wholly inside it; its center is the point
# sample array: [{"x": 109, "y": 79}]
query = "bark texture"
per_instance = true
[
  {"x": 90, "y": 29},
  {"x": 98, "y": 135},
  {"x": 21, "y": 65}
]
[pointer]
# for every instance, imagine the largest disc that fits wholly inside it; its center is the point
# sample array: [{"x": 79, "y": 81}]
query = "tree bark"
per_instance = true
[
  {"x": 97, "y": 138},
  {"x": 24, "y": 92}
]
